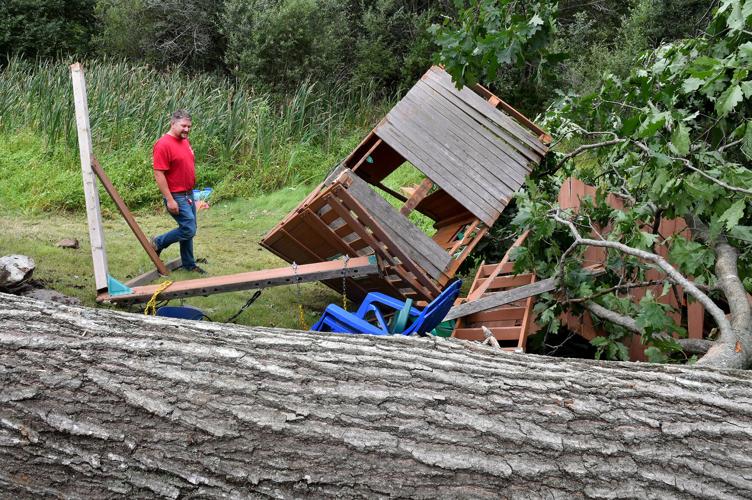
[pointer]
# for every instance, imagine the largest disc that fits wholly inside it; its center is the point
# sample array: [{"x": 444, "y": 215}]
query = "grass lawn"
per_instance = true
[{"x": 228, "y": 236}]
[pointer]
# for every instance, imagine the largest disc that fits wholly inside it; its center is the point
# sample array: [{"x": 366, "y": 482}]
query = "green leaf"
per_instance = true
[
  {"x": 745, "y": 49},
  {"x": 746, "y": 89},
  {"x": 680, "y": 140},
  {"x": 654, "y": 355},
  {"x": 728, "y": 100},
  {"x": 735, "y": 21},
  {"x": 691, "y": 84},
  {"x": 733, "y": 214},
  {"x": 743, "y": 233},
  {"x": 747, "y": 142},
  {"x": 691, "y": 257},
  {"x": 652, "y": 124}
]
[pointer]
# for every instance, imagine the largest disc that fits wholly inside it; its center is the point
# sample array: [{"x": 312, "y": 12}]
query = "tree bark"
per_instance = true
[
  {"x": 100, "y": 403},
  {"x": 734, "y": 347}
]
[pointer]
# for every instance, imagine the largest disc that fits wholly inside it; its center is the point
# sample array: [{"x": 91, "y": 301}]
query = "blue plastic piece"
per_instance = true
[
  {"x": 181, "y": 312},
  {"x": 115, "y": 288},
  {"x": 369, "y": 159},
  {"x": 369, "y": 318},
  {"x": 202, "y": 194}
]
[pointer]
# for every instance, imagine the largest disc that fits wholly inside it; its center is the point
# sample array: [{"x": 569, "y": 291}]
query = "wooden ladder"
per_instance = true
[{"x": 509, "y": 323}]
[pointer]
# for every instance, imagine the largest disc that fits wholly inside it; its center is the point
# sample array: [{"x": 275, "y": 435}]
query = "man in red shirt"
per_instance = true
[{"x": 175, "y": 173}]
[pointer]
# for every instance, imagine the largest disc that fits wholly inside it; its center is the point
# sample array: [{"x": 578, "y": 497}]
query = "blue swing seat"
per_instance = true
[
  {"x": 181, "y": 312},
  {"x": 336, "y": 319}
]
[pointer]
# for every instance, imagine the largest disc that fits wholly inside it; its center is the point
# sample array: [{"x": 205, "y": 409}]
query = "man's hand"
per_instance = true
[{"x": 172, "y": 206}]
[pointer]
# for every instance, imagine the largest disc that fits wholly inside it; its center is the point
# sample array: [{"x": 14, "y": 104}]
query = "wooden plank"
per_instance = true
[
  {"x": 504, "y": 313},
  {"x": 475, "y": 118},
  {"x": 526, "y": 320},
  {"x": 413, "y": 153},
  {"x": 487, "y": 269},
  {"x": 376, "y": 245},
  {"x": 391, "y": 191},
  {"x": 480, "y": 234},
  {"x": 437, "y": 136},
  {"x": 486, "y": 144},
  {"x": 503, "y": 282},
  {"x": 123, "y": 209},
  {"x": 507, "y": 297},
  {"x": 479, "y": 104},
  {"x": 444, "y": 160},
  {"x": 366, "y": 155},
  {"x": 411, "y": 272},
  {"x": 524, "y": 120},
  {"x": 499, "y": 332},
  {"x": 490, "y": 279},
  {"x": 91, "y": 194},
  {"x": 417, "y": 196},
  {"x": 417, "y": 245},
  {"x": 150, "y": 276},
  {"x": 458, "y": 142},
  {"x": 360, "y": 266},
  {"x": 496, "y": 145},
  {"x": 363, "y": 145},
  {"x": 500, "y": 298}
]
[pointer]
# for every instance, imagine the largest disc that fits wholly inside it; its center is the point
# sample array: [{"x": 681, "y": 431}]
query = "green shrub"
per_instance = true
[{"x": 45, "y": 28}]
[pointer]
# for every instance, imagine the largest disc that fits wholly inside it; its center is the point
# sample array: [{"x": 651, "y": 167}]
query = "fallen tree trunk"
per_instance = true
[{"x": 98, "y": 403}]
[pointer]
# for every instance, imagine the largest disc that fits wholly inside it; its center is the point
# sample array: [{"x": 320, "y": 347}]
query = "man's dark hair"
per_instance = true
[{"x": 180, "y": 114}]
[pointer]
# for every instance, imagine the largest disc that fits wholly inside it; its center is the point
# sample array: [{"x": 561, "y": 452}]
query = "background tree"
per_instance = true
[
  {"x": 163, "y": 32},
  {"x": 45, "y": 28}
]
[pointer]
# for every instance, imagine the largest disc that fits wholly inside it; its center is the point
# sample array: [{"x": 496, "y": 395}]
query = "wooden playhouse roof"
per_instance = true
[{"x": 468, "y": 147}]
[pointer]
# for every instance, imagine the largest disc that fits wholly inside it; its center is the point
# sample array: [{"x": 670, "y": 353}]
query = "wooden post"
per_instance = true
[
  {"x": 121, "y": 206},
  {"x": 93, "y": 212}
]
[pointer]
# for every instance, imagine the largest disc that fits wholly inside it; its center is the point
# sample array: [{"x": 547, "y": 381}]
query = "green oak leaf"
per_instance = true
[
  {"x": 733, "y": 214},
  {"x": 680, "y": 140},
  {"x": 728, "y": 100}
]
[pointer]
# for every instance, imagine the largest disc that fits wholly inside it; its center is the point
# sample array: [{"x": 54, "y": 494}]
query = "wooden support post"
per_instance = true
[
  {"x": 417, "y": 197},
  {"x": 93, "y": 212},
  {"x": 120, "y": 204}
]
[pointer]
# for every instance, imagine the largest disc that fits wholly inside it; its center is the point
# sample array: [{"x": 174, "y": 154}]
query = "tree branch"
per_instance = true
[
  {"x": 734, "y": 348},
  {"x": 689, "y": 346},
  {"x": 689, "y": 165},
  {"x": 675, "y": 276},
  {"x": 586, "y": 147},
  {"x": 623, "y": 286}
]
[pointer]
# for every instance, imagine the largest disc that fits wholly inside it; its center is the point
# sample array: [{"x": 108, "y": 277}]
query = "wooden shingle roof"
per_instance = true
[{"x": 475, "y": 152}]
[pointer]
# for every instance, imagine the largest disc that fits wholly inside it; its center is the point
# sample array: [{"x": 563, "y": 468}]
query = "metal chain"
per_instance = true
[
  {"x": 344, "y": 282},
  {"x": 301, "y": 312}
]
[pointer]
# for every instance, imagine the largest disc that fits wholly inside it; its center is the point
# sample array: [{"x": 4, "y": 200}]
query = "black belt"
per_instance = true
[{"x": 186, "y": 193}]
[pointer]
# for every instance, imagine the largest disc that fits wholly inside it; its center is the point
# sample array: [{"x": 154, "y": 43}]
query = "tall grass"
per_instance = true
[{"x": 245, "y": 142}]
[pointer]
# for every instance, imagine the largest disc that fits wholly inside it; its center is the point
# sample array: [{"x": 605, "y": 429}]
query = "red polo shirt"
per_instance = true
[{"x": 175, "y": 157}]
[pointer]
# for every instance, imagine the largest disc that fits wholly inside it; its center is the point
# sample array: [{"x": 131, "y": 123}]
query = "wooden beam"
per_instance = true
[
  {"x": 320, "y": 271},
  {"x": 149, "y": 276},
  {"x": 91, "y": 194},
  {"x": 417, "y": 196},
  {"x": 123, "y": 209},
  {"x": 500, "y": 298}
]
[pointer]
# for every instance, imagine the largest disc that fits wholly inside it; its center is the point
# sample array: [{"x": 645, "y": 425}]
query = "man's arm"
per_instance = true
[{"x": 172, "y": 205}]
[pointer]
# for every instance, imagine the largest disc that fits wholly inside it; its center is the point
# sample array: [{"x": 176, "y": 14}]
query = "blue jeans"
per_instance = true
[{"x": 184, "y": 233}]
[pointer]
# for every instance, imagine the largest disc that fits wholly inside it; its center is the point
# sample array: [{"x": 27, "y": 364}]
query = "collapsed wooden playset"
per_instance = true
[{"x": 474, "y": 152}]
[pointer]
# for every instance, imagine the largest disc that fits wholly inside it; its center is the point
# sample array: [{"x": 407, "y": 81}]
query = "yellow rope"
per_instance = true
[
  {"x": 151, "y": 306},
  {"x": 301, "y": 318}
]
